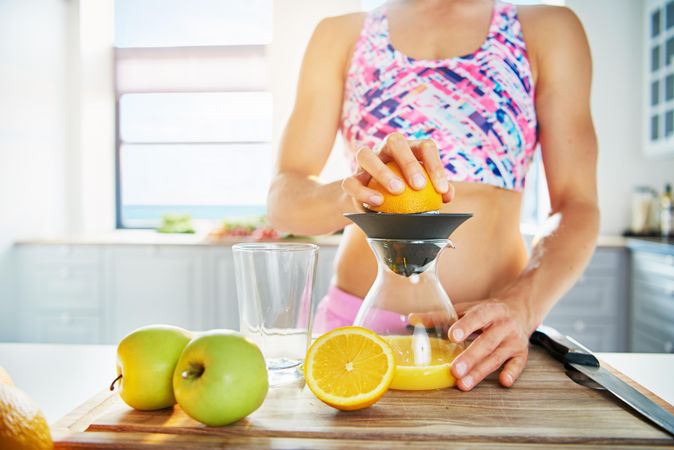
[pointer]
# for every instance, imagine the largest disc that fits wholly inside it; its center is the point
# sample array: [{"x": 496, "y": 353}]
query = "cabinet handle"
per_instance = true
[
  {"x": 669, "y": 346},
  {"x": 579, "y": 326}
]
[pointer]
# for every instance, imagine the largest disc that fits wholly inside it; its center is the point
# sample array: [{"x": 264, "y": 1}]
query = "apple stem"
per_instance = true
[
  {"x": 195, "y": 371},
  {"x": 112, "y": 385}
]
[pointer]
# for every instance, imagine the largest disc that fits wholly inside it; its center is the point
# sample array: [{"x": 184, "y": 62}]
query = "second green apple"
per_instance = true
[{"x": 220, "y": 378}]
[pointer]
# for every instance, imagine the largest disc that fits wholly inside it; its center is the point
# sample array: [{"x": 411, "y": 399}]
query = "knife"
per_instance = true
[{"x": 571, "y": 352}]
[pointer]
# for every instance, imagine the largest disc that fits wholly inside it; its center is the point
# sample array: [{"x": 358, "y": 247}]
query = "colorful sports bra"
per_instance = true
[{"x": 478, "y": 108}]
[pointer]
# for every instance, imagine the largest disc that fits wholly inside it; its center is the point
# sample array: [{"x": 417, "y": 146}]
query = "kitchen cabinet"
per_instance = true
[
  {"x": 60, "y": 294},
  {"x": 652, "y": 308},
  {"x": 95, "y": 293},
  {"x": 595, "y": 309},
  {"x": 89, "y": 294},
  {"x": 153, "y": 284},
  {"x": 325, "y": 271},
  {"x": 224, "y": 306}
]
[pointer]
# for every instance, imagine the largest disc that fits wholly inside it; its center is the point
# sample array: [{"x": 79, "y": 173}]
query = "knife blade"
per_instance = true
[{"x": 571, "y": 352}]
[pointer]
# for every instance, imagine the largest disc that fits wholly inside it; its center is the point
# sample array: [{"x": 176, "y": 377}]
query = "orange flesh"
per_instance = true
[
  {"x": 349, "y": 365},
  {"x": 349, "y": 368}
]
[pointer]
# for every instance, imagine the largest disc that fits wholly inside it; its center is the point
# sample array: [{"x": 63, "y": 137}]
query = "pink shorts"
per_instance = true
[{"x": 339, "y": 309}]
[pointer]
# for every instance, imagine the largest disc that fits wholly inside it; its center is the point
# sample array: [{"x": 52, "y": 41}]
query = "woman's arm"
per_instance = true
[
  {"x": 298, "y": 201},
  {"x": 569, "y": 150}
]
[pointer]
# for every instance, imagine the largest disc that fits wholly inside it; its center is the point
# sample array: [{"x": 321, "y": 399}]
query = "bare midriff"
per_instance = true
[{"x": 490, "y": 252}]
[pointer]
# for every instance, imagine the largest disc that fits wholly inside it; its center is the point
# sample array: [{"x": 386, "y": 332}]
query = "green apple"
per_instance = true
[
  {"x": 220, "y": 378},
  {"x": 146, "y": 360}
]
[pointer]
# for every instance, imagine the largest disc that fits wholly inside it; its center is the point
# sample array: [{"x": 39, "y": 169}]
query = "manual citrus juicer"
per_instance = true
[{"x": 407, "y": 305}]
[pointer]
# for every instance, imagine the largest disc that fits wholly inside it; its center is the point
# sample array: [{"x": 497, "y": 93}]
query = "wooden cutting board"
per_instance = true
[{"x": 545, "y": 407}]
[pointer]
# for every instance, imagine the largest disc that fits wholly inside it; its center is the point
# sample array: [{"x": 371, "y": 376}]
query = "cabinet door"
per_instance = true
[
  {"x": 60, "y": 292},
  {"x": 225, "y": 306},
  {"x": 68, "y": 328},
  {"x": 595, "y": 335},
  {"x": 594, "y": 311},
  {"x": 153, "y": 284},
  {"x": 652, "y": 315},
  {"x": 592, "y": 296},
  {"x": 325, "y": 271}
]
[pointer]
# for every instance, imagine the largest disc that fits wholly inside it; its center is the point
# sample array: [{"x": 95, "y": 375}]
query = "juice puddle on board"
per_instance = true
[{"x": 431, "y": 367}]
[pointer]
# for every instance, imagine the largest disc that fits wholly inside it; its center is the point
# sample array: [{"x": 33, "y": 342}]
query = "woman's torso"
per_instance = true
[{"x": 490, "y": 251}]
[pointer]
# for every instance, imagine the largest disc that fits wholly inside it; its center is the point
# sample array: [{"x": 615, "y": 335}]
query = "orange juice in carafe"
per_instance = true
[
  {"x": 407, "y": 304},
  {"x": 422, "y": 362}
]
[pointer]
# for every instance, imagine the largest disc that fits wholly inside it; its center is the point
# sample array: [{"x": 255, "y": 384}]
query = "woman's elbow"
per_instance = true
[{"x": 275, "y": 204}]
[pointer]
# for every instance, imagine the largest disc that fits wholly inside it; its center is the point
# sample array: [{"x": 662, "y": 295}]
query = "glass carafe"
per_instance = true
[{"x": 408, "y": 306}]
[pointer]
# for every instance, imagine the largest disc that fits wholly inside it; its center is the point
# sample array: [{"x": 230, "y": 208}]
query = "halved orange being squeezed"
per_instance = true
[
  {"x": 349, "y": 368},
  {"x": 410, "y": 201}
]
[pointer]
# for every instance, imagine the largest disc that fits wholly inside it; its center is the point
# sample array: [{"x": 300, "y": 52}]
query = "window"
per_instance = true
[
  {"x": 658, "y": 88},
  {"x": 194, "y": 115}
]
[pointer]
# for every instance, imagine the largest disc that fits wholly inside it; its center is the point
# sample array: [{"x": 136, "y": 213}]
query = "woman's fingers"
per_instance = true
[
  {"x": 427, "y": 151},
  {"x": 476, "y": 318},
  {"x": 397, "y": 148},
  {"x": 480, "y": 349},
  {"x": 407, "y": 155},
  {"x": 513, "y": 369},
  {"x": 355, "y": 188},
  {"x": 449, "y": 195},
  {"x": 372, "y": 164},
  {"x": 488, "y": 365},
  {"x": 463, "y": 308}
]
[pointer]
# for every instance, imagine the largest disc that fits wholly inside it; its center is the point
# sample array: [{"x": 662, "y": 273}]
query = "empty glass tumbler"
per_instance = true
[{"x": 274, "y": 283}]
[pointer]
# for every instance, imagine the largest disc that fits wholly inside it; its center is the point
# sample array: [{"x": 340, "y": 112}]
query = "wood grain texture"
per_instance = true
[
  {"x": 543, "y": 408},
  {"x": 143, "y": 441}
]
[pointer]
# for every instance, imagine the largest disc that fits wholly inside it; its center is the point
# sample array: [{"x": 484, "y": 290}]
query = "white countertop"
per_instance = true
[
  {"x": 61, "y": 377},
  {"x": 150, "y": 237}
]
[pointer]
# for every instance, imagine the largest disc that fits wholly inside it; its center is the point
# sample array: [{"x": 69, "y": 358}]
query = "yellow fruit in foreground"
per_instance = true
[
  {"x": 5, "y": 378},
  {"x": 410, "y": 201},
  {"x": 22, "y": 424},
  {"x": 349, "y": 368}
]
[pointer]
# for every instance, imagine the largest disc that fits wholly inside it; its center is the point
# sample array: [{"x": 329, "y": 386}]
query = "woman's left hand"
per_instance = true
[{"x": 504, "y": 339}]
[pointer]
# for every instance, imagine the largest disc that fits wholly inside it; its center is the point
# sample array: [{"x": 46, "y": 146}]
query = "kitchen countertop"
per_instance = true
[
  {"x": 61, "y": 377},
  {"x": 150, "y": 237},
  {"x": 664, "y": 246}
]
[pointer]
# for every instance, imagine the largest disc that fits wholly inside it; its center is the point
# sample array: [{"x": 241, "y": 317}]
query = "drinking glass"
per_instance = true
[{"x": 274, "y": 284}]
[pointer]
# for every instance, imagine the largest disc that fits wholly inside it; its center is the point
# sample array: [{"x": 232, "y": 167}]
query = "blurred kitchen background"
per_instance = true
[{"x": 119, "y": 118}]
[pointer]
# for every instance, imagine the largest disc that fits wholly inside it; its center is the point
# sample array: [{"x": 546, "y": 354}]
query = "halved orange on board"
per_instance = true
[{"x": 349, "y": 368}]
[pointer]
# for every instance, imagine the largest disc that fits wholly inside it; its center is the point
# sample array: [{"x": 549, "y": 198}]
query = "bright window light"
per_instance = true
[
  {"x": 196, "y": 117},
  {"x": 208, "y": 181},
  {"x": 181, "y": 23}
]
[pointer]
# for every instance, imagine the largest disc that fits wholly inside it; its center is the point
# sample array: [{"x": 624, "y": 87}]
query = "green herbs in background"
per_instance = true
[
  {"x": 255, "y": 228},
  {"x": 243, "y": 226},
  {"x": 176, "y": 223}
]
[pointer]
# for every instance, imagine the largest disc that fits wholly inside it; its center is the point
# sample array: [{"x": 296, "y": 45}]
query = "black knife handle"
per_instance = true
[{"x": 563, "y": 348}]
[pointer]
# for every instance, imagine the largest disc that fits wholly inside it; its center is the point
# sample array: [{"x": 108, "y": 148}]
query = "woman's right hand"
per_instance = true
[{"x": 408, "y": 155}]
